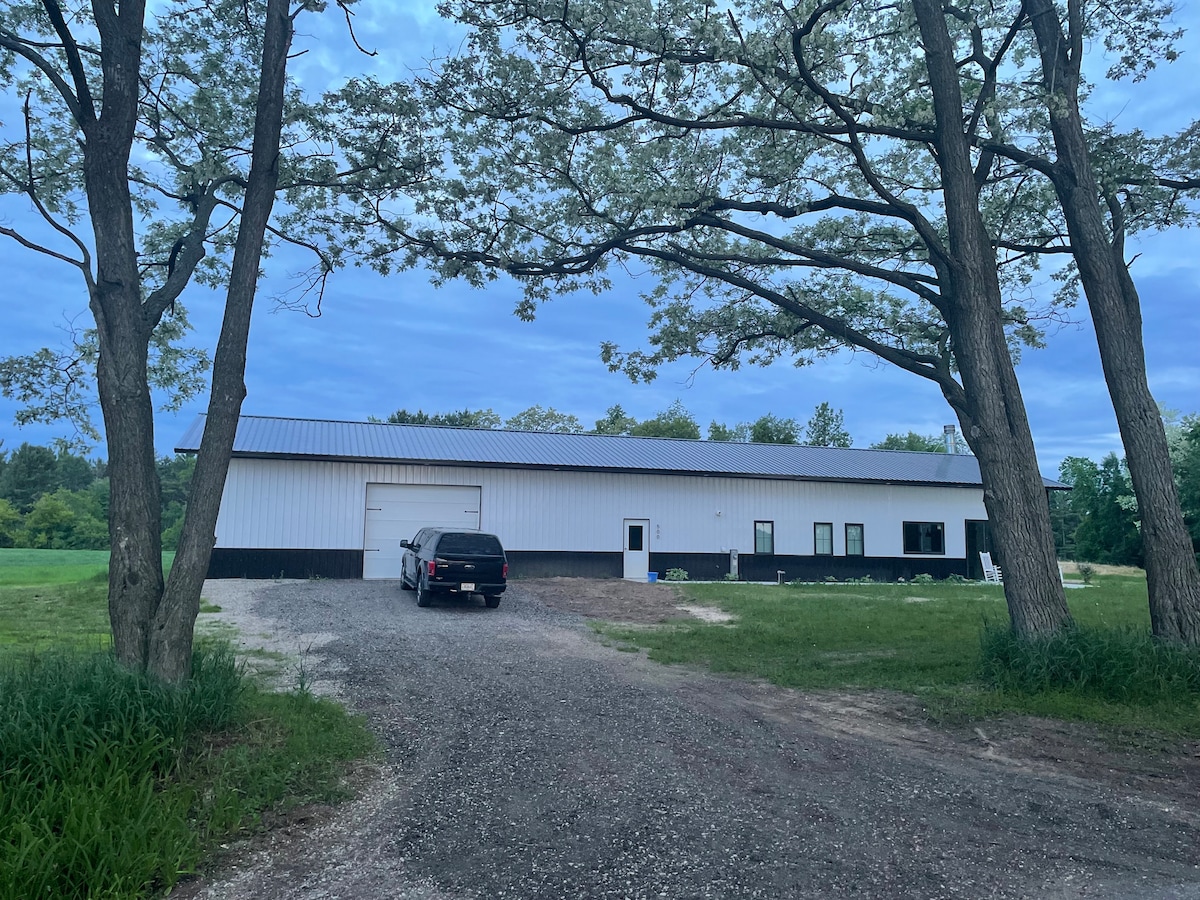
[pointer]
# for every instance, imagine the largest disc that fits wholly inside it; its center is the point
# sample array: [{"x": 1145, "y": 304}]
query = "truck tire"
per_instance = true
[
  {"x": 492, "y": 600},
  {"x": 424, "y": 597}
]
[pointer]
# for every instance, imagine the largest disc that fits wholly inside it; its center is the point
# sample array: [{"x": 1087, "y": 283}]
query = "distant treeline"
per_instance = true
[
  {"x": 1098, "y": 520},
  {"x": 54, "y": 499}
]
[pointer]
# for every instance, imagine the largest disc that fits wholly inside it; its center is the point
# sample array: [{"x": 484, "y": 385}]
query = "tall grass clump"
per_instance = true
[
  {"x": 1124, "y": 665},
  {"x": 90, "y": 802}
]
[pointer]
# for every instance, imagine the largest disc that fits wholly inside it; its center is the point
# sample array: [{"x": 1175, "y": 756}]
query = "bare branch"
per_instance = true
[{"x": 85, "y": 113}]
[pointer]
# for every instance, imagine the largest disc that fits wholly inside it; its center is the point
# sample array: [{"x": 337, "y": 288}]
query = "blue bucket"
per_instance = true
[{"x": 652, "y": 577}]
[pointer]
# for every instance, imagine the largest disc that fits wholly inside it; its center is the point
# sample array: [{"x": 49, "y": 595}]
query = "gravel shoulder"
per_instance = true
[{"x": 523, "y": 758}]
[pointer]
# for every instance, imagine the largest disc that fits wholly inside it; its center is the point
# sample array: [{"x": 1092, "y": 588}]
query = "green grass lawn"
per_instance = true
[
  {"x": 918, "y": 638},
  {"x": 54, "y": 599}
]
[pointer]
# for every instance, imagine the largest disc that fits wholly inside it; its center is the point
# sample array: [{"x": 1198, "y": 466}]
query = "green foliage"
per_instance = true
[
  {"x": 771, "y": 429},
  {"x": 1117, "y": 664},
  {"x": 1086, "y": 572},
  {"x": 673, "y": 422},
  {"x": 615, "y": 422},
  {"x": 65, "y": 500},
  {"x": 676, "y": 575},
  {"x": 925, "y": 443},
  {"x": 826, "y": 428},
  {"x": 66, "y": 520},
  {"x": 1104, "y": 511},
  {"x": 549, "y": 419},
  {"x": 464, "y": 418},
  {"x": 175, "y": 478},
  {"x": 112, "y": 784},
  {"x": 30, "y": 473},
  {"x": 115, "y": 785},
  {"x": 10, "y": 524},
  {"x": 1186, "y": 458},
  {"x": 86, "y": 741},
  {"x": 720, "y": 432}
]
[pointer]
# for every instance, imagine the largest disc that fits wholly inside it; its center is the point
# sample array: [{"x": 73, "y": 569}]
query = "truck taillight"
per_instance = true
[
  {"x": 432, "y": 564},
  {"x": 504, "y": 571}
]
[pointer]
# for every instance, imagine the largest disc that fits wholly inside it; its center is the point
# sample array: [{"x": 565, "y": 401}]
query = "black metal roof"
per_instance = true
[{"x": 268, "y": 437}]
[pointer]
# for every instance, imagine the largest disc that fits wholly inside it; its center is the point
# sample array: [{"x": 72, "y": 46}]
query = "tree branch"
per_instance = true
[{"x": 86, "y": 112}]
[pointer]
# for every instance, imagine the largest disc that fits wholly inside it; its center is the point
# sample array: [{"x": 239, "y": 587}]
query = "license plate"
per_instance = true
[{"x": 467, "y": 586}]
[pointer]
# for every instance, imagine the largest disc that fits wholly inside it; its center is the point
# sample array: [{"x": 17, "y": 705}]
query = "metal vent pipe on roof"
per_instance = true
[{"x": 950, "y": 436}]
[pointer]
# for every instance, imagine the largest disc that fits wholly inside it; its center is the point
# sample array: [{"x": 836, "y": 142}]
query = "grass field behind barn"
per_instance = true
[
  {"x": 55, "y": 599},
  {"x": 925, "y": 639},
  {"x": 112, "y": 785}
]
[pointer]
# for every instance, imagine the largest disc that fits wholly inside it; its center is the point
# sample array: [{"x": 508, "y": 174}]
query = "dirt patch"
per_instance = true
[
  {"x": 708, "y": 613},
  {"x": 610, "y": 599}
]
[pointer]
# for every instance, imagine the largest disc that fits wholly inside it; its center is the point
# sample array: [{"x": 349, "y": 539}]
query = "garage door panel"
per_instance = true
[{"x": 397, "y": 511}]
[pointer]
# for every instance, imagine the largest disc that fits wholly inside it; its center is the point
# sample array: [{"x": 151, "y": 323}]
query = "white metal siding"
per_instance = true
[{"x": 320, "y": 505}]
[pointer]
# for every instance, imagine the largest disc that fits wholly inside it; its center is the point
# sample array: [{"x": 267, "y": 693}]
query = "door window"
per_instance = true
[{"x": 635, "y": 541}]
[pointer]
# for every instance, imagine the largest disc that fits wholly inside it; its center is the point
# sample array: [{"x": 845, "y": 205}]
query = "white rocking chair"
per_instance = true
[{"x": 991, "y": 571}]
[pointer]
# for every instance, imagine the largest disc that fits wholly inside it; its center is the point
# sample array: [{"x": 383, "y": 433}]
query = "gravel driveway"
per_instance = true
[{"x": 524, "y": 759}]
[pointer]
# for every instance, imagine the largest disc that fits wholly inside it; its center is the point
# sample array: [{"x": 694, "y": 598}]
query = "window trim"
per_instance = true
[
  {"x": 817, "y": 525},
  {"x": 770, "y": 533},
  {"x": 904, "y": 539},
  {"x": 862, "y": 538}
]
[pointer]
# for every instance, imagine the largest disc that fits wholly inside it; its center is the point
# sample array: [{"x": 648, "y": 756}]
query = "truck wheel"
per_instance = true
[
  {"x": 424, "y": 598},
  {"x": 492, "y": 600}
]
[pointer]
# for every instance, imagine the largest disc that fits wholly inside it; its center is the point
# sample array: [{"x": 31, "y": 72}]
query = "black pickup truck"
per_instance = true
[{"x": 442, "y": 560}]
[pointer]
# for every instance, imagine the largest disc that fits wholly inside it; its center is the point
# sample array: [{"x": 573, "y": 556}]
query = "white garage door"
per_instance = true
[{"x": 398, "y": 511}]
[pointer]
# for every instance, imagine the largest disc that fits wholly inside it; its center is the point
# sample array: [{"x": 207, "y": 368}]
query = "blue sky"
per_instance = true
[{"x": 386, "y": 343}]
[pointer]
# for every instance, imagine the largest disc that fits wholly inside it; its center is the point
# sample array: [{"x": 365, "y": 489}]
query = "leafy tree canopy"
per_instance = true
[
  {"x": 928, "y": 443},
  {"x": 673, "y": 422},
  {"x": 549, "y": 419},
  {"x": 615, "y": 421},
  {"x": 463, "y": 418},
  {"x": 826, "y": 428}
]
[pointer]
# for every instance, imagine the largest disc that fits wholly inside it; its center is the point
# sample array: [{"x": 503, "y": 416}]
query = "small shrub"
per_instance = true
[
  {"x": 1086, "y": 571},
  {"x": 831, "y": 579},
  {"x": 955, "y": 578},
  {"x": 923, "y": 578},
  {"x": 866, "y": 579},
  {"x": 676, "y": 575},
  {"x": 729, "y": 576}
]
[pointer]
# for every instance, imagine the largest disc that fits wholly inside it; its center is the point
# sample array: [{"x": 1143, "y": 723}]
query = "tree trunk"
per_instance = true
[
  {"x": 135, "y": 579},
  {"x": 170, "y": 648},
  {"x": 1172, "y": 575},
  {"x": 990, "y": 408}
]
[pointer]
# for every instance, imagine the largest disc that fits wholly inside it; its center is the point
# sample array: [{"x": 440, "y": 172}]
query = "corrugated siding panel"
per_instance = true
[{"x": 321, "y": 505}]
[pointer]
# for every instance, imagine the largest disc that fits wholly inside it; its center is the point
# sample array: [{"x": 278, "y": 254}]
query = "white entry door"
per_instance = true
[
  {"x": 637, "y": 549},
  {"x": 396, "y": 512}
]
